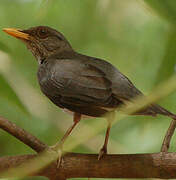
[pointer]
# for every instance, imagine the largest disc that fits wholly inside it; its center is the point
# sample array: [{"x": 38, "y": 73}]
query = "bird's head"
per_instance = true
[{"x": 42, "y": 41}]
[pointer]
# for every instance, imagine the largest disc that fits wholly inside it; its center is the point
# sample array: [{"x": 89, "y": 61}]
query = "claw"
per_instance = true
[
  {"x": 58, "y": 151},
  {"x": 103, "y": 151},
  {"x": 59, "y": 160}
]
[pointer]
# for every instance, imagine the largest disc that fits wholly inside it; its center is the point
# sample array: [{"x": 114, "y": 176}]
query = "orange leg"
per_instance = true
[
  {"x": 76, "y": 119},
  {"x": 59, "y": 145},
  {"x": 103, "y": 150}
]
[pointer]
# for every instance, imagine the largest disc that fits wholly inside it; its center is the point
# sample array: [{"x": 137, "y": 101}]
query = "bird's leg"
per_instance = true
[
  {"x": 103, "y": 150},
  {"x": 58, "y": 147}
]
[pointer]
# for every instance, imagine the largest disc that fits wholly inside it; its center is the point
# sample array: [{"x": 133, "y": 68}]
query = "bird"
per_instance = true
[{"x": 83, "y": 85}]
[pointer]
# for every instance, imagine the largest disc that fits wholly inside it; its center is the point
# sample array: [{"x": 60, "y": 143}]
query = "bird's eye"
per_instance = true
[{"x": 42, "y": 32}]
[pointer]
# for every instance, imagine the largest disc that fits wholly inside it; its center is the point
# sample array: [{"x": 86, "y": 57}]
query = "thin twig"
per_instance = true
[
  {"x": 168, "y": 136},
  {"x": 22, "y": 135}
]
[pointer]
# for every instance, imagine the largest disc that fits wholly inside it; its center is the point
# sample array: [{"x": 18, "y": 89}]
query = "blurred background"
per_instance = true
[{"x": 136, "y": 36}]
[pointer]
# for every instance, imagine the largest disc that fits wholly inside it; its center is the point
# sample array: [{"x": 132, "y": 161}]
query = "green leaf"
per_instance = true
[
  {"x": 4, "y": 47},
  {"x": 168, "y": 62},
  {"x": 8, "y": 93},
  {"x": 165, "y": 8}
]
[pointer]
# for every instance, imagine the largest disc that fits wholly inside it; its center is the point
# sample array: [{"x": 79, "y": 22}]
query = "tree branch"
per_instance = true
[
  {"x": 157, "y": 165},
  {"x": 22, "y": 135}
]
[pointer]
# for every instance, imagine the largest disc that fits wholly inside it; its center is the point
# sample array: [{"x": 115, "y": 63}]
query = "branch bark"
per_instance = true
[
  {"x": 156, "y": 165},
  {"x": 22, "y": 135},
  {"x": 73, "y": 165}
]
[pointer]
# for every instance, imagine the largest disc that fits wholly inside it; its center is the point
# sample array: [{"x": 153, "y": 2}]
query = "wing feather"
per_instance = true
[{"x": 78, "y": 83}]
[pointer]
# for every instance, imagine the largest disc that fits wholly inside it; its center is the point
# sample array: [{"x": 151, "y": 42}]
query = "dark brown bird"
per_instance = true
[{"x": 81, "y": 84}]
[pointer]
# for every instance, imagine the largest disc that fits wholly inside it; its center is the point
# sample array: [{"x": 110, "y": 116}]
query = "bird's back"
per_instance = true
[{"x": 79, "y": 81}]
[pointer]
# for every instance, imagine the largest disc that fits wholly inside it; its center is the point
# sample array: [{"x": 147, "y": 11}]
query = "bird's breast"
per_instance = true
[{"x": 44, "y": 76}]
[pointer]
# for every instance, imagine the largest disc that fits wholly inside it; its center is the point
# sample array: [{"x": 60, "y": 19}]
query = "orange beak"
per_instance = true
[{"x": 16, "y": 33}]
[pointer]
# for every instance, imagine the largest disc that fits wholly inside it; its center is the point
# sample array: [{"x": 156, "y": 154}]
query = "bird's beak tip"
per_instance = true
[
  {"x": 5, "y": 29},
  {"x": 16, "y": 33}
]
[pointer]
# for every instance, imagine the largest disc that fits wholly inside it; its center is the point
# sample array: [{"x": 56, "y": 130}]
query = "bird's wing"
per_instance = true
[
  {"x": 89, "y": 87},
  {"x": 122, "y": 87},
  {"x": 78, "y": 83}
]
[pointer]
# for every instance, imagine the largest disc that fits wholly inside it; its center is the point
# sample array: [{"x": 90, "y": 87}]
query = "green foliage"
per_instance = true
[
  {"x": 126, "y": 33},
  {"x": 166, "y": 9}
]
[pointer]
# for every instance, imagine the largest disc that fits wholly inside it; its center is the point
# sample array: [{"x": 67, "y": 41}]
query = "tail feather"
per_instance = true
[
  {"x": 160, "y": 110},
  {"x": 167, "y": 139},
  {"x": 154, "y": 110}
]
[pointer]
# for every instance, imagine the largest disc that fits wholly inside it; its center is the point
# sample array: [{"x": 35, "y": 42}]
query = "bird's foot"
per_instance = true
[
  {"x": 103, "y": 151},
  {"x": 58, "y": 150}
]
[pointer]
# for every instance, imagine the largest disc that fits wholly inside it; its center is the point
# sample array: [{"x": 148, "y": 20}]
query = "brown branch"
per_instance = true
[
  {"x": 22, "y": 135},
  {"x": 168, "y": 136},
  {"x": 157, "y": 165}
]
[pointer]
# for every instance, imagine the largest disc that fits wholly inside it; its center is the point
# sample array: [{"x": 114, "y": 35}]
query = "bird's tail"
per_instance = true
[
  {"x": 154, "y": 110},
  {"x": 166, "y": 142},
  {"x": 160, "y": 110}
]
